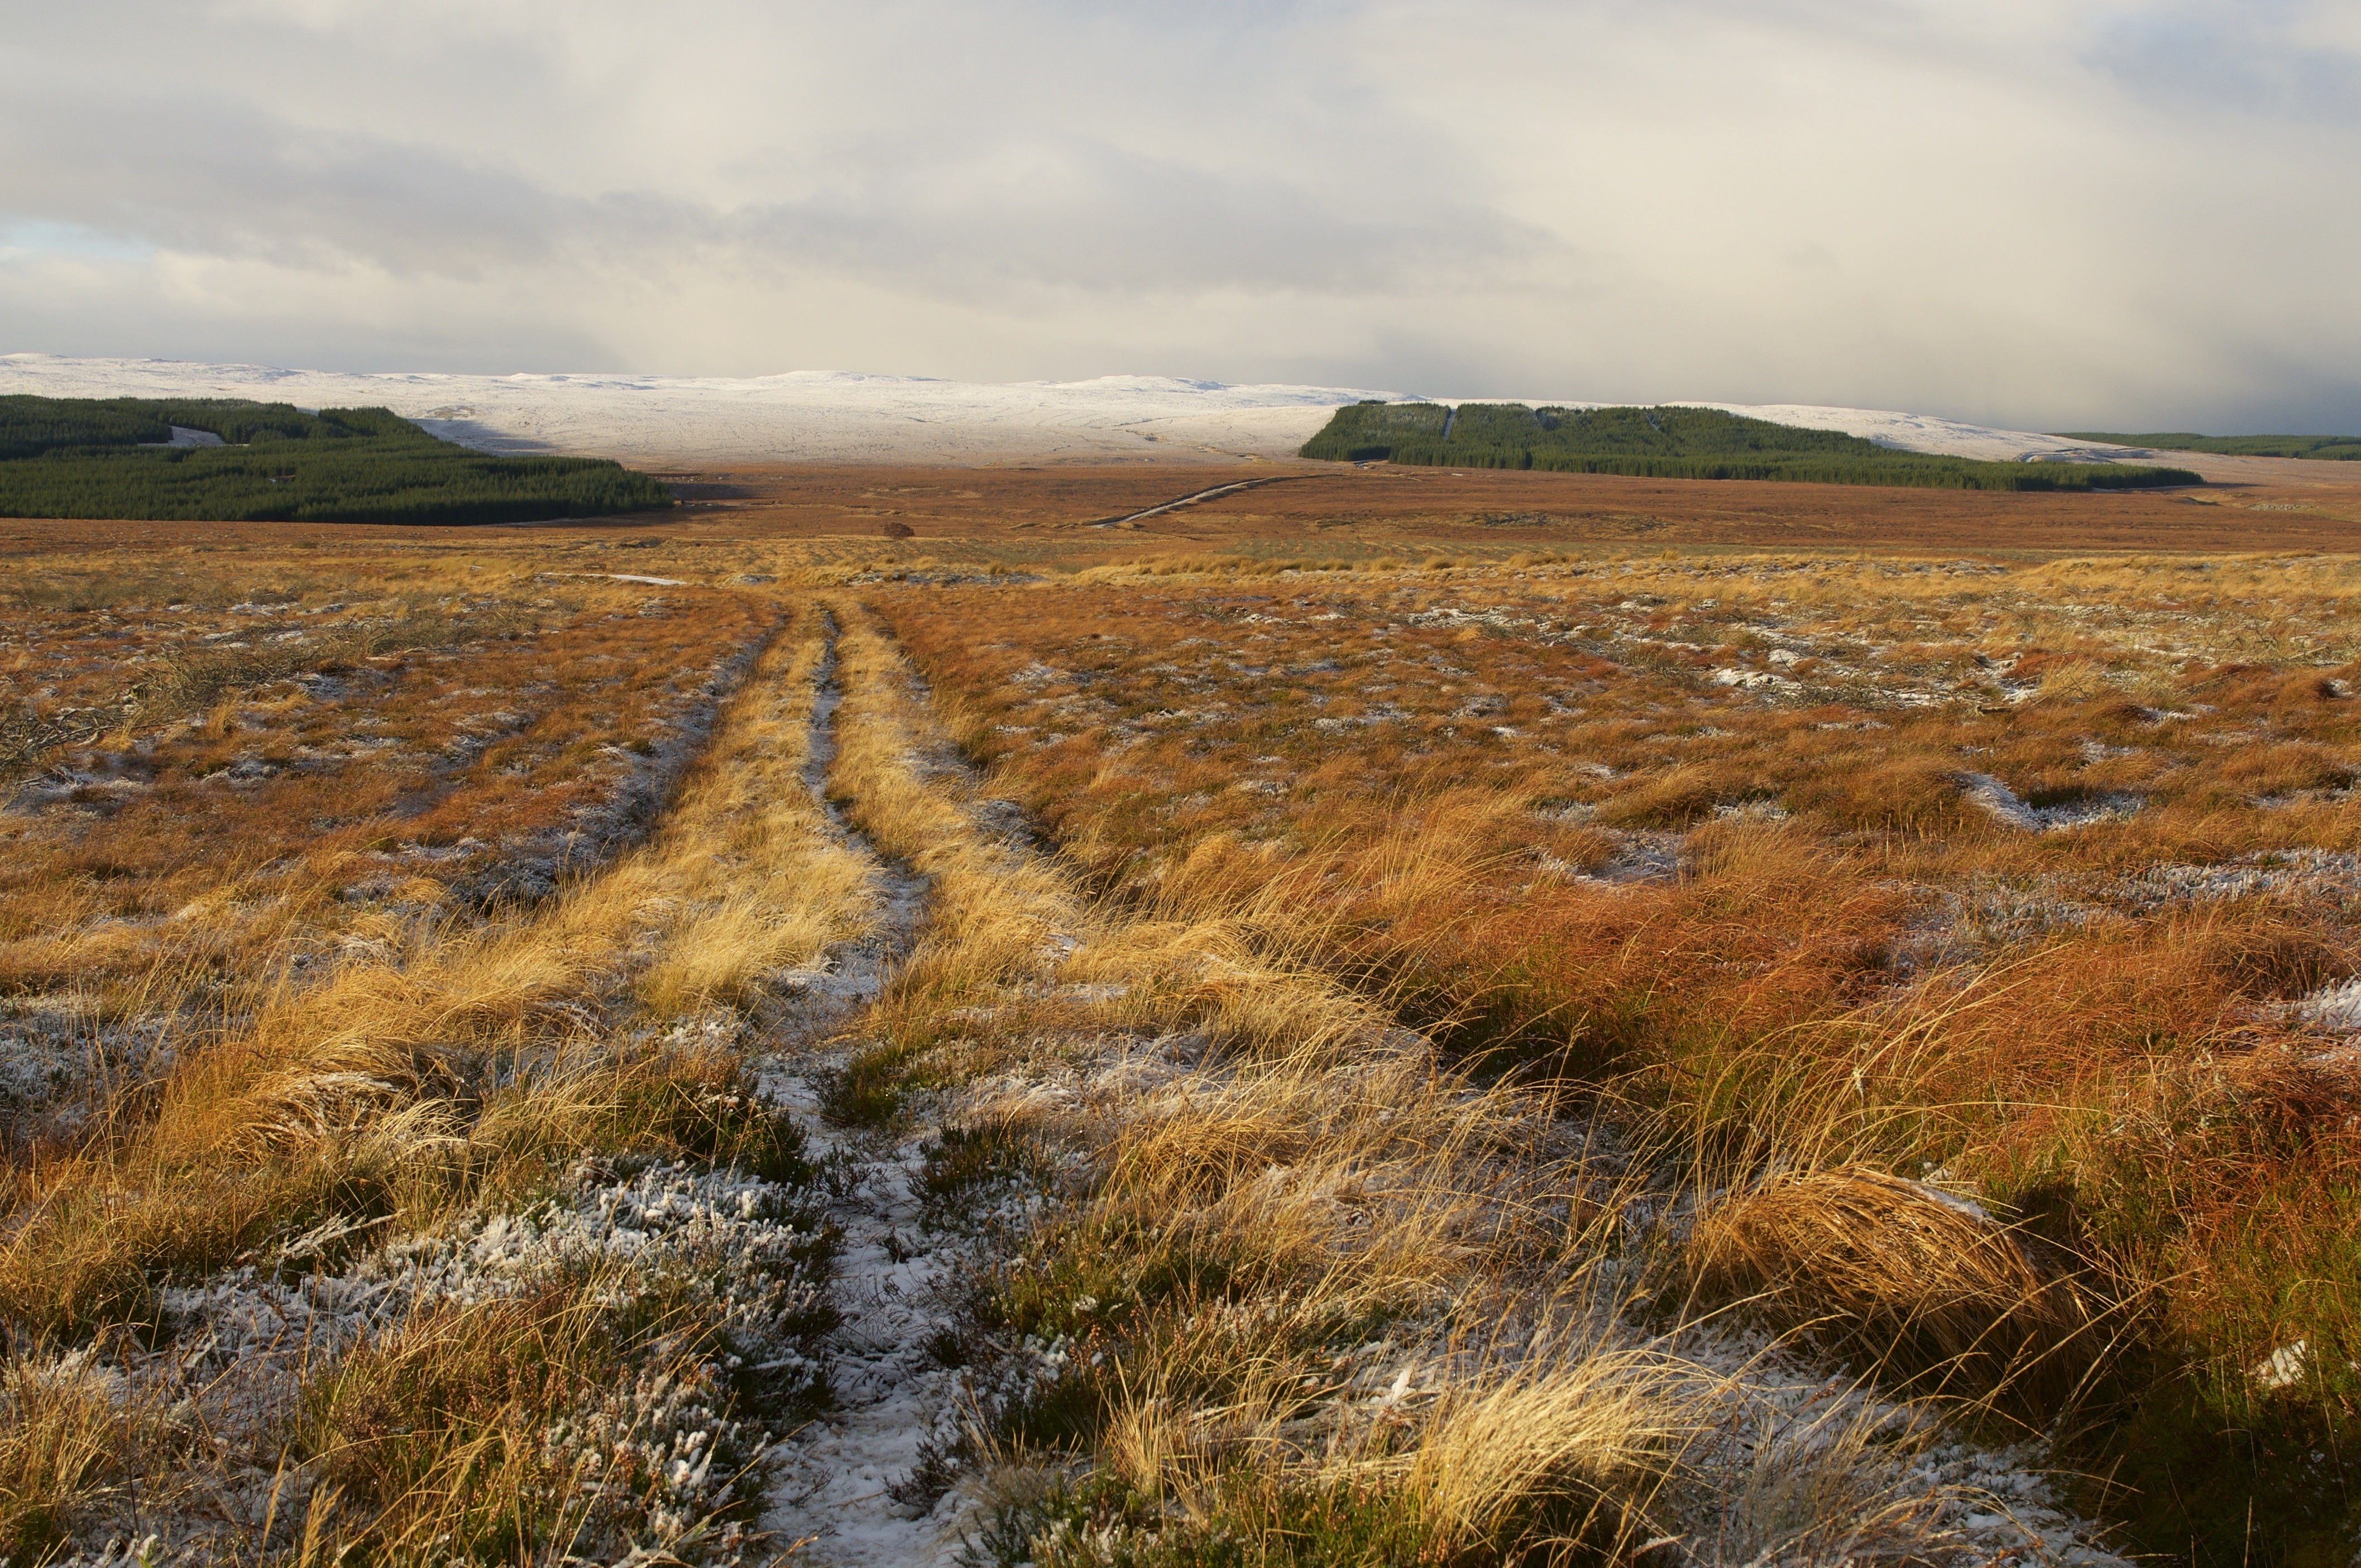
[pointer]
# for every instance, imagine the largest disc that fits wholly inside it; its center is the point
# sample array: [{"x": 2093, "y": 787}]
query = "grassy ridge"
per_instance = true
[
  {"x": 2334, "y": 448},
  {"x": 95, "y": 458},
  {"x": 1672, "y": 443}
]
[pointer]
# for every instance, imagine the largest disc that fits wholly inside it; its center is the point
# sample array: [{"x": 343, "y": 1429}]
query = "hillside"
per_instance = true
[
  {"x": 1681, "y": 442},
  {"x": 847, "y": 417},
  {"x": 227, "y": 460},
  {"x": 2335, "y": 448}
]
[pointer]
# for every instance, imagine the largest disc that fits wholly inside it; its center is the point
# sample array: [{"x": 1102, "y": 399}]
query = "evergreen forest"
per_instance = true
[
  {"x": 1678, "y": 442},
  {"x": 2334, "y": 448},
  {"x": 109, "y": 458}
]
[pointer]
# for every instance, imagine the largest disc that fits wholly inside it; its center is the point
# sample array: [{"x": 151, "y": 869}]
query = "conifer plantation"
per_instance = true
[
  {"x": 75, "y": 457},
  {"x": 2334, "y": 448},
  {"x": 1677, "y": 442}
]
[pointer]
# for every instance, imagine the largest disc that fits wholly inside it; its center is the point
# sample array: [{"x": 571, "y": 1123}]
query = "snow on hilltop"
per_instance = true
[
  {"x": 1929, "y": 432},
  {"x": 805, "y": 416},
  {"x": 822, "y": 416}
]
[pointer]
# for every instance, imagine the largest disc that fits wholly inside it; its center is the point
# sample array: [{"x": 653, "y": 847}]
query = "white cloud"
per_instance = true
[{"x": 2031, "y": 213}]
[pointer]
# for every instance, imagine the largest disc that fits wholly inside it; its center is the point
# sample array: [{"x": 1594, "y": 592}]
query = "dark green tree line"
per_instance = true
[
  {"x": 95, "y": 458},
  {"x": 1675, "y": 443}
]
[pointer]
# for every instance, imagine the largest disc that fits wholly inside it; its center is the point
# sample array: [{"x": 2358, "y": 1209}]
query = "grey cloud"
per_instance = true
[
  {"x": 1998, "y": 211},
  {"x": 974, "y": 216},
  {"x": 1087, "y": 214},
  {"x": 197, "y": 173},
  {"x": 2253, "y": 58}
]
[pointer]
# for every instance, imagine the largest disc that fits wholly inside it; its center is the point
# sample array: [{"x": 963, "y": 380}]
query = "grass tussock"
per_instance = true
[
  {"x": 1301, "y": 1291},
  {"x": 530, "y": 1427},
  {"x": 1866, "y": 872},
  {"x": 1920, "y": 1286},
  {"x": 70, "y": 1438}
]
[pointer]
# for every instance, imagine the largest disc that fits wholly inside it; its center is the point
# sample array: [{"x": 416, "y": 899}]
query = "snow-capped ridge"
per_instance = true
[{"x": 857, "y": 416}]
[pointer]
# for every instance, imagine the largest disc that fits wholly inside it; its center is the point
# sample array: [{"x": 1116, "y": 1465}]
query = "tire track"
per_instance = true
[
  {"x": 833, "y": 1494},
  {"x": 1196, "y": 495}
]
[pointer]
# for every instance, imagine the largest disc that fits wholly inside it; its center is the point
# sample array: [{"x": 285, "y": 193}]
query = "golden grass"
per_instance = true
[
  {"x": 65, "y": 1437},
  {"x": 368, "y": 1091},
  {"x": 425, "y": 755},
  {"x": 1316, "y": 1176},
  {"x": 460, "y": 1065},
  {"x": 1591, "y": 1428},
  {"x": 1564, "y": 854},
  {"x": 492, "y": 1432},
  {"x": 1812, "y": 983},
  {"x": 1914, "y": 1283}
]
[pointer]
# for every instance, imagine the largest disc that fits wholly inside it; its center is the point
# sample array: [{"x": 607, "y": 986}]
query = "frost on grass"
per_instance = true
[
  {"x": 2002, "y": 805},
  {"x": 2333, "y": 1010},
  {"x": 714, "y": 1280}
]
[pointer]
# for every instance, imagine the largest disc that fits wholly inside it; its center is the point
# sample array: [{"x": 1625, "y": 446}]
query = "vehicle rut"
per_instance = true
[{"x": 833, "y": 1490}]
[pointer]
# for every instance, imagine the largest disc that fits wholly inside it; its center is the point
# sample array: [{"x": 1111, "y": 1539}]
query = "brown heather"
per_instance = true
[
  {"x": 1776, "y": 922},
  {"x": 1458, "y": 947}
]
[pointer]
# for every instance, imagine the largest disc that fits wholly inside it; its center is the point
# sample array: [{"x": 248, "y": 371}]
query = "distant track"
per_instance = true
[{"x": 1198, "y": 496}]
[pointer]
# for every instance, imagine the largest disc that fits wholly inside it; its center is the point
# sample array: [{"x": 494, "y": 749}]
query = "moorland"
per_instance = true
[{"x": 1394, "y": 1014}]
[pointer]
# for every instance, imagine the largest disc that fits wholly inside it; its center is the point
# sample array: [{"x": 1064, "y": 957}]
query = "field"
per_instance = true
[{"x": 1389, "y": 1016}]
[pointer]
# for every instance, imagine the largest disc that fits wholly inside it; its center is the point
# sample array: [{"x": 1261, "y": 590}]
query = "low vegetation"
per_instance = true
[
  {"x": 2033, "y": 885},
  {"x": 523, "y": 1047},
  {"x": 498, "y": 1169},
  {"x": 270, "y": 462},
  {"x": 1678, "y": 442}
]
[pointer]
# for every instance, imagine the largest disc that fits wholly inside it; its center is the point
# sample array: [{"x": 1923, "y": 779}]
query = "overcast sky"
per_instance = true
[{"x": 2039, "y": 213}]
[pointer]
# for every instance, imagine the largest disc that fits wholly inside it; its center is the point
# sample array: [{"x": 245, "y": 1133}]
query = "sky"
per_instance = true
[{"x": 2042, "y": 214}]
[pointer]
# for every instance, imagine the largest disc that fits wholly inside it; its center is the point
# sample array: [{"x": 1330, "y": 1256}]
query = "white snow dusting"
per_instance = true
[
  {"x": 835, "y": 416},
  {"x": 813, "y": 416}
]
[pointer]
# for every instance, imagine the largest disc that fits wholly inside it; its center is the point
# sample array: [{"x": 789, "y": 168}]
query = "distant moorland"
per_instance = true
[
  {"x": 76, "y": 457},
  {"x": 2335, "y": 447},
  {"x": 1681, "y": 444}
]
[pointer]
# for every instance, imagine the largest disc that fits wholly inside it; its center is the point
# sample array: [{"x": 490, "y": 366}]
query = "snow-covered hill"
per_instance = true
[
  {"x": 1929, "y": 432},
  {"x": 846, "y": 417},
  {"x": 805, "y": 416}
]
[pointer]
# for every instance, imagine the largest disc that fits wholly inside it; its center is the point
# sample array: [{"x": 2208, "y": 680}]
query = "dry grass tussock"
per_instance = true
[
  {"x": 67, "y": 1434},
  {"x": 447, "y": 1438},
  {"x": 1921, "y": 1280},
  {"x": 2031, "y": 882},
  {"x": 1303, "y": 1293}
]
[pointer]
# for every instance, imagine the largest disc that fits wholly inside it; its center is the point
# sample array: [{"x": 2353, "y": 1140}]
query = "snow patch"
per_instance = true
[
  {"x": 2334, "y": 1010},
  {"x": 2004, "y": 804}
]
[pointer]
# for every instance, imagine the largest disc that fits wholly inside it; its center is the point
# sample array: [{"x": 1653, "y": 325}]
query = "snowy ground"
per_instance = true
[
  {"x": 820, "y": 416},
  {"x": 803, "y": 416}
]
